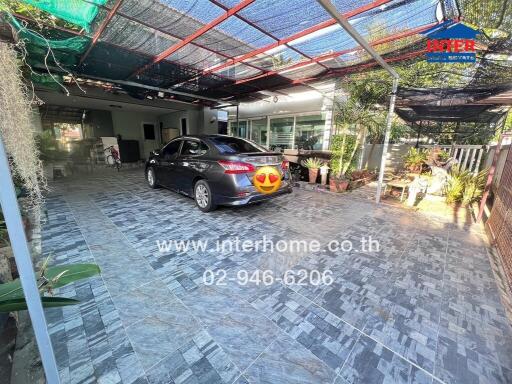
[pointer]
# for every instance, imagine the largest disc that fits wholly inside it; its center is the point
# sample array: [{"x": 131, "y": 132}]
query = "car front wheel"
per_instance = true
[
  {"x": 151, "y": 178},
  {"x": 203, "y": 196}
]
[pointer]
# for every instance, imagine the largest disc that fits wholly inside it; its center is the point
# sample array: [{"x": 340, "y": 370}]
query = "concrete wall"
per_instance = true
[
  {"x": 306, "y": 102},
  {"x": 129, "y": 126},
  {"x": 195, "y": 121},
  {"x": 394, "y": 158},
  {"x": 210, "y": 124}
]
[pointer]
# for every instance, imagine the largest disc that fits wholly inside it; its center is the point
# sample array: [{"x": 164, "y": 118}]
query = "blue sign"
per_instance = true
[{"x": 451, "y": 42}]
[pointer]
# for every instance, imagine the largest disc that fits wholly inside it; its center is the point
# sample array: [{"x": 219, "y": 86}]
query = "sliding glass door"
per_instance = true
[
  {"x": 281, "y": 133},
  {"x": 259, "y": 131}
]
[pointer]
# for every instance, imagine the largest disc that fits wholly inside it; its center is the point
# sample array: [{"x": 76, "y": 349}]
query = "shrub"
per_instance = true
[
  {"x": 464, "y": 187},
  {"x": 414, "y": 159}
]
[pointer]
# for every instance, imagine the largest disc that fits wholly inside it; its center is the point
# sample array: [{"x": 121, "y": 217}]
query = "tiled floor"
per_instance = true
[{"x": 424, "y": 308}]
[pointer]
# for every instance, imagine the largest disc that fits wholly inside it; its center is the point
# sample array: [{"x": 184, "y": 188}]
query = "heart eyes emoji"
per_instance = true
[{"x": 267, "y": 180}]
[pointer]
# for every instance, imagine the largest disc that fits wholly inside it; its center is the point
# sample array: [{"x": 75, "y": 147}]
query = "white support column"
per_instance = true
[
  {"x": 21, "y": 252},
  {"x": 345, "y": 24},
  {"x": 389, "y": 122}
]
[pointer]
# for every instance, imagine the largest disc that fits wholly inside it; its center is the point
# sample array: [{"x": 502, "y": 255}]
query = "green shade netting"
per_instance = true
[
  {"x": 46, "y": 80},
  {"x": 74, "y": 11},
  {"x": 65, "y": 51}
]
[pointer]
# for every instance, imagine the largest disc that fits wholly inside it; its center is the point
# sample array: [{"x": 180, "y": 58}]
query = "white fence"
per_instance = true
[
  {"x": 500, "y": 164},
  {"x": 470, "y": 157}
]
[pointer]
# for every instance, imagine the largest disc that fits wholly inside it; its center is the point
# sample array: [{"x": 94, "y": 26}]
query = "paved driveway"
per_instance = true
[{"x": 423, "y": 308}]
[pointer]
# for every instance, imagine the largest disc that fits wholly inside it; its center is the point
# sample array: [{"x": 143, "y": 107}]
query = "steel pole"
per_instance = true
[
  {"x": 25, "y": 267},
  {"x": 389, "y": 123}
]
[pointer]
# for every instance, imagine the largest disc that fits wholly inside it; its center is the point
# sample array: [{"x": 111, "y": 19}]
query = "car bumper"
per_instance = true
[{"x": 254, "y": 197}]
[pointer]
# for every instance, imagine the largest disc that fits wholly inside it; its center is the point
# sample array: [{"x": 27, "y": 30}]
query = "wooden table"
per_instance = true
[{"x": 402, "y": 184}]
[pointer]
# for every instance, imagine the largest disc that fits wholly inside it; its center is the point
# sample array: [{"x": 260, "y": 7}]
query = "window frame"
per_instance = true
[
  {"x": 183, "y": 140},
  {"x": 177, "y": 153}
]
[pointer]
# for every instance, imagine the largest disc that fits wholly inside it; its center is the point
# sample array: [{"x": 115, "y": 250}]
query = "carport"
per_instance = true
[{"x": 423, "y": 307}]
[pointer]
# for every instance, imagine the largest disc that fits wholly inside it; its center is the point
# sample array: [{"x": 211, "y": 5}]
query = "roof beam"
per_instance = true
[
  {"x": 341, "y": 72},
  {"x": 320, "y": 58},
  {"x": 342, "y": 20},
  {"x": 168, "y": 33},
  {"x": 201, "y": 31},
  {"x": 100, "y": 30},
  {"x": 257, "y": 27},
  {"x": 295, "y": 36}
]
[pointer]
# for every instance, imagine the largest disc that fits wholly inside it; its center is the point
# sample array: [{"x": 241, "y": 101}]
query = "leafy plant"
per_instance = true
[
  {"x": 414, "y": 159},
  {"x": 13, "y": 299},
  {"x": 464, "y": 187},
  {"x": 312, "y": 163},
  {"x": 343, "y": 149},
  {"x": 443, "y": 156},
  {"x": 454, "y": 188},
  {"x": 474, "y": 187}
]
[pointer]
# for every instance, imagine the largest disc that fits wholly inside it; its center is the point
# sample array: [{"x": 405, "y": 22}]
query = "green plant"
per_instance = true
[
  {"x": 11, "y": 294},
  {"x": 343, "y": 149},
  {"x": 312, "y": 163},
  {"x": 414, "y": 159},
  {"x": 454, "y": 188},
  {"x": 474, "y": 187},
  {"x": 464, "y": 187},
  {"x": 443, "y": 156}
]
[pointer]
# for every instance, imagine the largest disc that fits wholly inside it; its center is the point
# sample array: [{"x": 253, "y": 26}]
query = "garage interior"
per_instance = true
[{"x": 430, "y": 305}]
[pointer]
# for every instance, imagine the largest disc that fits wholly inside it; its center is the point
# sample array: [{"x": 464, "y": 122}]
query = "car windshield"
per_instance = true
[{"x": 235, "y": 145}]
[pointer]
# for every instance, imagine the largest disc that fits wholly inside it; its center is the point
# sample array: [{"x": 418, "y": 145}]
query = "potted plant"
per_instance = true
[
  {"x": 313, "y": 165},
  {"x": 343, "y": 149},
  {"x": 414, "y": 160}
]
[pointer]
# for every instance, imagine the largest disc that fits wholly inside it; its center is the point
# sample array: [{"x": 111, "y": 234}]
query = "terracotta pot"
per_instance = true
[
  {"x": 342, "y": 185},
  {"x": 333, "y": 187},
  {"x": 313, "y": 174}
]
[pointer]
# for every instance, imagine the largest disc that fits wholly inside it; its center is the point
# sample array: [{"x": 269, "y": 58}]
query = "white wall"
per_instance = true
[
  {"x": 394, "y": 157},
  {"x": 210, "y": 124},
  {"x": 303, "y": 102},
  {"x": 129, "y": 126},
  {"x": 194, "y": 121}
]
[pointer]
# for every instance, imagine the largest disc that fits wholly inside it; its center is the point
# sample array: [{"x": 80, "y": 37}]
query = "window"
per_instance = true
[
  {"x": 234, "y": 145},
  {"x": 259, "y": 131},
  {"x": 240, "y": 129},
  {"x": 193, "y": 148},
  {"x": 149, "y": 131},
  {"x": 281, "y": 133},
  {"x": 309, "y": 131},
  {"x": 171, "y": 149}
]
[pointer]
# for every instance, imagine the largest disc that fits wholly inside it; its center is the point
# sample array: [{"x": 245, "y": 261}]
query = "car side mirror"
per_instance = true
[{"x": 157, "y": 152}]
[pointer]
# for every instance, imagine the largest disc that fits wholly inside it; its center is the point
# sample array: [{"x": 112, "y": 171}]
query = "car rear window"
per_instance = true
[{"x": 234, "y": 145}]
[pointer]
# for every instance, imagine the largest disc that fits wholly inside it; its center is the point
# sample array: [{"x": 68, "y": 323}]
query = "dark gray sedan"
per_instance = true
[{"x": 215, "y": 170}]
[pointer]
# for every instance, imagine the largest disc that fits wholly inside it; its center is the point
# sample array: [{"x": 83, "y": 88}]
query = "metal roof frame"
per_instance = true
[{"x": 201, "y": 31}]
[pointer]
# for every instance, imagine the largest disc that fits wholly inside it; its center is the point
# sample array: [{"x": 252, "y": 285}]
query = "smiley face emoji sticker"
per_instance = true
[{"x": 267, "y": 180}]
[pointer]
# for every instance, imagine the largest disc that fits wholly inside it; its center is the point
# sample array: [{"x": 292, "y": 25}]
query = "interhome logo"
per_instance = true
[{"x": 451, "y": 42}]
